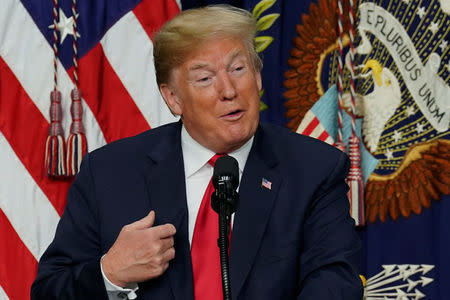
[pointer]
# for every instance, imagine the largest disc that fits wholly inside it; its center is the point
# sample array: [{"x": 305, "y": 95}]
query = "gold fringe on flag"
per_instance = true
[{"x": 55, "y": 147}]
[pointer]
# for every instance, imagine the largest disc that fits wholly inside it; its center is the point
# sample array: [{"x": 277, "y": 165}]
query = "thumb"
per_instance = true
[{"x": 145, "y": 222}]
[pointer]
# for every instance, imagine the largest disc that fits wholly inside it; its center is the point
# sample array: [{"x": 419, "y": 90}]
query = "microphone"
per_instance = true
[
  {"x": 225, "y": 201},
  {"x": 225, "y": 181}
]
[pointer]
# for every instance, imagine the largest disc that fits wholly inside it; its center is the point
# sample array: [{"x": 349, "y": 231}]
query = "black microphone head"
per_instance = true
[{"x": 226, "y": 166}]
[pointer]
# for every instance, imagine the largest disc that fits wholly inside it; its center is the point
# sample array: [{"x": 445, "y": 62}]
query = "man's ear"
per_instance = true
[
  {"x": 259, "y": 81},
  {"x": 171, "y": 99}
]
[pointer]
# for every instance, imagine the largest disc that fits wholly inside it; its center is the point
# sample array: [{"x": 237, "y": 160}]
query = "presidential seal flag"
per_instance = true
[
  {"x": 51, "y": 53},
  {"x": 408, "y": 132},
  {"x": 401, "y": 69}
]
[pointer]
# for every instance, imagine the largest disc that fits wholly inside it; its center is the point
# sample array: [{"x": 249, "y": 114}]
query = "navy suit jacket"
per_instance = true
[{"x": 293, "y": 241}]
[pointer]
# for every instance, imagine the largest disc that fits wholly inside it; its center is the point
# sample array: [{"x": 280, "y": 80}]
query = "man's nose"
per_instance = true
[{"x": 227, "y": 88}]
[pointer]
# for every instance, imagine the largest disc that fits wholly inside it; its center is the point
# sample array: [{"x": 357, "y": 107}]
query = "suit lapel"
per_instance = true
[
  {"x": 253, "y": 213},
  {"x": 168, "y": 199},
  {"x": 167, "y": 196}
]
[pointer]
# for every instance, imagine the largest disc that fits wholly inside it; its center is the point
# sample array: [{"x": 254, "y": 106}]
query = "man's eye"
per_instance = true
[
  {"x": 202, "y": 81},
  {"x": 238, "y": 70}
]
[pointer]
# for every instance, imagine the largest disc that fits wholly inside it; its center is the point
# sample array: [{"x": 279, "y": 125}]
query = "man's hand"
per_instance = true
[{"x": 141, "y": 252}]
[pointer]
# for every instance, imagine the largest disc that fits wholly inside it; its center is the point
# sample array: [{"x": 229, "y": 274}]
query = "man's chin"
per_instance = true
[{"x": 232, "y": 144}]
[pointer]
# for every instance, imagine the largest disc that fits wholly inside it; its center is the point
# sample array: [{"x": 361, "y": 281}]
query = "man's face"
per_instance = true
[{"x": 216, "y": 92}]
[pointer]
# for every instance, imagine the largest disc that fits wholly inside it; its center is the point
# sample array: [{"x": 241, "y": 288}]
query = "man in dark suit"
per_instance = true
[{"x": 133, "y": 211}]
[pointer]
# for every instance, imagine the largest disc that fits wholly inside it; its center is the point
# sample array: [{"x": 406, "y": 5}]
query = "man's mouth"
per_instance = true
[{"x": 233, "y": 115}]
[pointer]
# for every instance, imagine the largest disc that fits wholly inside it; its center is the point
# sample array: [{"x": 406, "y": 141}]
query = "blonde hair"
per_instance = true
[{"x": 189, "y": 29}]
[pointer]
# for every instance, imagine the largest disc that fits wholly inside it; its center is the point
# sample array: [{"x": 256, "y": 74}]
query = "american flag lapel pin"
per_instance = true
[{"x": 266, "y": 184}]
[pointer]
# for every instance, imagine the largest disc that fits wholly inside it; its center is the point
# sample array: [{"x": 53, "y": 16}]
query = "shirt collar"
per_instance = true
[{"x": 196, "y": 156}]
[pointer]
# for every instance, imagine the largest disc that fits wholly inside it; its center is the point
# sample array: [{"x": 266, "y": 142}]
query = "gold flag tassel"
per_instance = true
[
  {"x": 76, "y": 143},
  {"x": 55, "y": 147}
]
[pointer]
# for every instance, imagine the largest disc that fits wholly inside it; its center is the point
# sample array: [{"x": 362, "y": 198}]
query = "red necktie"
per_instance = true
[{"x": 204, "y": 249}]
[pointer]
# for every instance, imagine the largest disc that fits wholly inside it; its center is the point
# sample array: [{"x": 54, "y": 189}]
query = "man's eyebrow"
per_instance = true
[
  {"x": 201, "y": 65},
  {"x": 236, "y": 53},
  {"x": 198, "y": 66}
]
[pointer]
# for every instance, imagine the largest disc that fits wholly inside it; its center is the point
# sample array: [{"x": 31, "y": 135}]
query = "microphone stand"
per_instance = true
[
  {"x": 223, "y": 243},
  {"x": 224, "y": 203}
]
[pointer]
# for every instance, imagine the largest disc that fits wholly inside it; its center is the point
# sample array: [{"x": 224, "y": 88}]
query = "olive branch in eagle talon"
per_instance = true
[{"x": 263, "y": 23}]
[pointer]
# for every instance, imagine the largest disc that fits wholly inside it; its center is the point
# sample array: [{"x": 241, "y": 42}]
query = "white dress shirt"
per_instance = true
[{"x": 198, "y": 173}]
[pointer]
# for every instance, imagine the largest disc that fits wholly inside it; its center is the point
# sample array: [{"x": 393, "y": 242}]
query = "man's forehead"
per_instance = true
[
  {"x": 201, "y": 61},
  {"x": 198, "y": 59}
]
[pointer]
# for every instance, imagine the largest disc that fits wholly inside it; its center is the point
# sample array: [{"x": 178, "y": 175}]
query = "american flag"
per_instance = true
[
  {"x": 120, "y": 99},
  {"x": 266, "y": 184},
  {"x": 312, "y": 127}
]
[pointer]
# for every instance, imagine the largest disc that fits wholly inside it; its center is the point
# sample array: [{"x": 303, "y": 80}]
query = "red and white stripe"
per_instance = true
[
  {"x": 120, "y": 98},
  {"x": 312, "y": 127}
]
